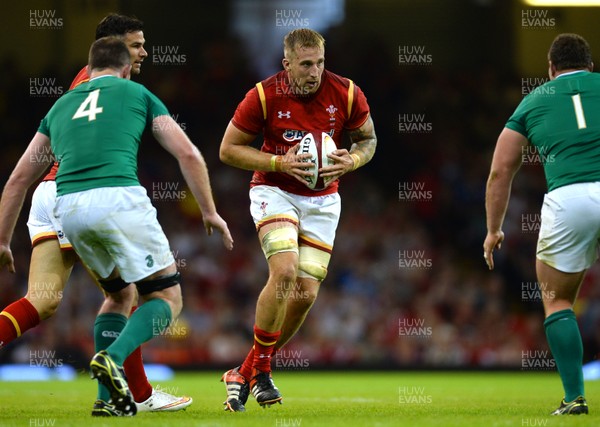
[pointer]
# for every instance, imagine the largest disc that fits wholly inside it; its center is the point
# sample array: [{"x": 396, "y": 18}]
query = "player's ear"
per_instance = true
[
  {"x": 286, "y": 64},
  {"x": 551, "y": 70},
  {"x": 126, "y": 72}
]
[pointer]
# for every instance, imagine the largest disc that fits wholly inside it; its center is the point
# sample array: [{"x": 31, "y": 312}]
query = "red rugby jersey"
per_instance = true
[
  {"x": 337, "y": 105},
  {"x": 81, "y": 77}
]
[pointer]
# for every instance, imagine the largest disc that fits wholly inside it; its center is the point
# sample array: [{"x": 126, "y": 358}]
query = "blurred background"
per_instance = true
[{"x": 407, "y": 285}]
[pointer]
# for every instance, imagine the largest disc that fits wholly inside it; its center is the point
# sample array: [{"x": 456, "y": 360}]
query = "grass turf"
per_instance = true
[{"x": 321, "y": 399}]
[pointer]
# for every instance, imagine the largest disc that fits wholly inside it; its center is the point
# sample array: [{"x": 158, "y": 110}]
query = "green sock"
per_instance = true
[
  {"x": 565, "y": 343},
  {"x": 107, "y": 328},
  {"x": 149, "y": 320}
]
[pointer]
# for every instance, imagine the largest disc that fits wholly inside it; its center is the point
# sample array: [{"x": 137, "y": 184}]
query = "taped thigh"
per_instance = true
[
  {"x": 313, "y": 263},
  {"x": 146, "y": 287},
  {"x": 283, "y": 239}
]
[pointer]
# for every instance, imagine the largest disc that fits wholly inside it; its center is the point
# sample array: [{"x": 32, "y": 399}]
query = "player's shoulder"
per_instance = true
[{"x": 336, "y": 79}]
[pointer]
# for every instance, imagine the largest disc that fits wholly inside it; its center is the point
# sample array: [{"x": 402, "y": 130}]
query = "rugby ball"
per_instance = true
[{"x": 318, "y": 145}]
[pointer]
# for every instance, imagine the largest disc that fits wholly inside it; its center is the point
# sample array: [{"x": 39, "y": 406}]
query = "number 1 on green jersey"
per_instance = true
[{"x": 581, "y": 124}]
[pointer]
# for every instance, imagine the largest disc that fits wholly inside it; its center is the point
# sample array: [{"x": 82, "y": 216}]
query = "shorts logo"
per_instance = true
[
  {"x": 61, "y": 234},
  {"x": 263, "y": 208}
]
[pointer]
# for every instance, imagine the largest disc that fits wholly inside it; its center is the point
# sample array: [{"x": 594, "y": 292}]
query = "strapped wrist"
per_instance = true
[
  {"x": 355, "y": 160},
  {"x": 276, "y": 162}
]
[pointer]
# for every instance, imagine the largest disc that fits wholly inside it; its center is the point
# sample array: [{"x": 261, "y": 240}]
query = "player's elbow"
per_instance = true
[
  {"x": 190, "y": 155},
  {"x": 226, "y": 153}
]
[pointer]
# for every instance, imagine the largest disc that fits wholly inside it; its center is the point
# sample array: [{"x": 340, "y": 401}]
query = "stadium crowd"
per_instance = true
[{"x": 407, "y": 284}]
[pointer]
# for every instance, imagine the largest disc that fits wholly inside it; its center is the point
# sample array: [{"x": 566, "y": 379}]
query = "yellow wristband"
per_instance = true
[
  {"x": 276, "y": 163},
  {"x": 356, "y": 160}
]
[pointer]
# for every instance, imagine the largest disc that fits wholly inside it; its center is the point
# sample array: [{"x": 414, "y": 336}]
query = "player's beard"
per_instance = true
[{"x": 136, "y": 69}]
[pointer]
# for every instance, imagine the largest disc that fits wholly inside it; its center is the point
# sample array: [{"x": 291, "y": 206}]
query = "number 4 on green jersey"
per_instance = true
[{"x": 89, "y": 108}]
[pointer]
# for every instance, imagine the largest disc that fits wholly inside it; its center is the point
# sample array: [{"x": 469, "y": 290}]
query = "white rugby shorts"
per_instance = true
[
  {"x": 115, "y": 227},
  {"x": 316, "y": 217},
  {"x": 570, "y": 227},
  {"x": 42, "y": 223}
]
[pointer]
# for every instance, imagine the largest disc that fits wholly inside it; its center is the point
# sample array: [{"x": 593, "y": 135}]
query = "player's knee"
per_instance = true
[
  {"x": 167, "y": 288},
  {"x": 176, "y": 305},
  {"x": 303, "y": 300},
  {"x": 284, "y": 273},
  {"x": 45, "y": 302},
  {"x": 118, "y": 293},
  {"x": 48, "y": 308}
]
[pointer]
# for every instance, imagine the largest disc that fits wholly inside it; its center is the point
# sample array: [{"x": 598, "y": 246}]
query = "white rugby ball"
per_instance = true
[{"x": 318, "y": 144}]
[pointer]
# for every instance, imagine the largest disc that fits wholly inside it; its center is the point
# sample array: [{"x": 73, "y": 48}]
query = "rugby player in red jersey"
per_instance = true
[
  {"x": 295, "y": 224},
  {"x": 52, "y": 260}
]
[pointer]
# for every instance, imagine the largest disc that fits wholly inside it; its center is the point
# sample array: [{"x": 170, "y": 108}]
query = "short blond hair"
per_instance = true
[{"x": 301, "y": 37}]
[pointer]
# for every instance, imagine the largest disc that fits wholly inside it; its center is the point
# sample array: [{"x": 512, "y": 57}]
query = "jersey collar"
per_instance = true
[{"x": 570, "y": 73}]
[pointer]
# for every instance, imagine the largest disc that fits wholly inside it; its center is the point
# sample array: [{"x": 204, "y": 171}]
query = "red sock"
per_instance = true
[
  {"x": 17, "y": 318},
  {"x": 136, "y": 375},
  {"x": 264, "y": 344},
  {"x": 246, "y": 368}
]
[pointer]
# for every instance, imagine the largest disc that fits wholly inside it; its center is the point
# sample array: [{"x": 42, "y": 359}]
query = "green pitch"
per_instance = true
[{"x": 321, "y": 399}]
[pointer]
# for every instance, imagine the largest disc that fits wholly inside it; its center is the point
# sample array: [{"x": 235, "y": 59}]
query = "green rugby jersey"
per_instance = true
[
  {"x": 561, "y": 118},
  {"x": 95, "y": 131}
]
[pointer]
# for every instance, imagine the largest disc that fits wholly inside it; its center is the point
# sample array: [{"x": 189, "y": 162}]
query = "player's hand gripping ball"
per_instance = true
[{"x": 319, "y": 145}]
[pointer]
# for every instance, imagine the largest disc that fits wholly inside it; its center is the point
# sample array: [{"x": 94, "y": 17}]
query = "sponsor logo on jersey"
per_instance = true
[
  {"x": 291, "y": 135},
  {"x": 281, "y": 114}
]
